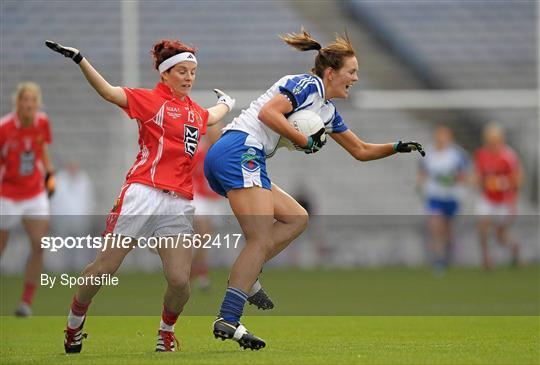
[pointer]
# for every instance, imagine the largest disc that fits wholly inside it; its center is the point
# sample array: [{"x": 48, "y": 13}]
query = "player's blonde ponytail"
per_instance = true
[
  {"x": 331, "y": 56},
  {"x": 302, "y": 41}
]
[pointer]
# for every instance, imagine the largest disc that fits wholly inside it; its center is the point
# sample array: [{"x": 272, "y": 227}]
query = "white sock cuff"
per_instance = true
[
  {"x": 74, "y": 321},
  {"x": 165, "y": 327},
  {"x": 255, "y": 288}
]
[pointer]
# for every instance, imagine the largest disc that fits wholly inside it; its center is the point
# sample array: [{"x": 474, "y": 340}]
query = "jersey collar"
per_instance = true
[
  {"x": 165, "y": 91},
  {"x": 320, "y": 86},
  {"x": 18, "y": 123}
]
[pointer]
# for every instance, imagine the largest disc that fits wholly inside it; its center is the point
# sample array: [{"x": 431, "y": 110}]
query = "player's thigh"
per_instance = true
[
  {"x": 36, "y": 228},
  {"x": 254, "y": 209},
  {"x": 4, "y": 237},
  {"x": 502, "y": 232},
  {"x": 203, "y": 224},
  {"x": 108, "y": 260},
  {"x": 436, "y": 223},
  {"x": 176, "y": 261},
  {"x": 286, "y": 208}
]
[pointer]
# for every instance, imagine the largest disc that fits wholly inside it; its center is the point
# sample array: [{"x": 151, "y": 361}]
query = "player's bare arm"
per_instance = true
[
  {"x": 519, "y": 176},
  {"x": 363, "y": 151},
  {"x": 50, "y": 181},
  {"x": 113, "y": 94},
  {"x": 47, "y": 163},
  {"x": 273, "y": 115}
]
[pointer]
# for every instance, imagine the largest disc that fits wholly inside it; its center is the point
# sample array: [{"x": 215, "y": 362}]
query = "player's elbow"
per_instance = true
[
  {"x": 360, "y": 155},
  {"x": 112, "y": 94},
  {"x": 265, "y": 114},
  {"x": 109, "y": 96}
]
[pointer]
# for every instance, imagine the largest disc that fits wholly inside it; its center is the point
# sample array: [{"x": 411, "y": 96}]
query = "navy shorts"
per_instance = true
[
  {"x": 232, "y": 164},
  {"x": 448, "y": 208}
]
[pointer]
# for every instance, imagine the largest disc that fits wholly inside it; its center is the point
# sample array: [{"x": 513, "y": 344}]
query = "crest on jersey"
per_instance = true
[
  {"x": 191, "y": 139},
  {"x": 297, "y": 90},
  {"x": 250, "y": 160}
]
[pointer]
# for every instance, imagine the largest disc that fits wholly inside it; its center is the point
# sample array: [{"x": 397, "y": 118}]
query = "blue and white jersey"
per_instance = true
[
  {"x": 443, "y": 168},
  {"x": 304, "y": 92}
]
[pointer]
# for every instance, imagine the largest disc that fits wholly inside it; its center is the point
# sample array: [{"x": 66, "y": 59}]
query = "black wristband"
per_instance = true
[{"x": 78, "y": 58}]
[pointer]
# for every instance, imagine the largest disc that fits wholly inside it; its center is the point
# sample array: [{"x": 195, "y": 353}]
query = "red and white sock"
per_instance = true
[
  {"x": 168, "y": 320},
  {"x": 28, "y": 293},
  {"x": 77, "y": 313}
]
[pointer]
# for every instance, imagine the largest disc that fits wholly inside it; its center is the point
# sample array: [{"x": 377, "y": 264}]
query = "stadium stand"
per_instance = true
[
  {"x": 459, "y": 44},
  {"x": 466, "y": 45}
]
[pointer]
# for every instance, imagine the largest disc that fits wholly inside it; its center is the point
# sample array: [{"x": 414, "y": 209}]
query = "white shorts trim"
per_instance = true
[
  {"x": 12, "y": 211},
  {"x": 500, "y": 211}
]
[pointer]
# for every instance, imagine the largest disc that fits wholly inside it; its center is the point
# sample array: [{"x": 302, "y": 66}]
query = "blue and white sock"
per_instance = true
[{"x": 233, "y": 305}]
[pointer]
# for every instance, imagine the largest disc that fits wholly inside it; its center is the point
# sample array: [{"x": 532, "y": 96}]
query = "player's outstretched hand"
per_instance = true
[
  {"x": 225, "y": 99},
  {"x": 315, "y": 142},
  {"x": 68, "y": 52},
  {"x": 405, "y": 147}
]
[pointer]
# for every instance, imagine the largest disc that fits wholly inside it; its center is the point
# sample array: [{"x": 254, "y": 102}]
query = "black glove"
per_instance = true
[
  {"x": 405, "y": 147},
  {"x": 50, "y": 184},
  {"x": 69, "y": 52},
  {"x": 315, "y": 142}
]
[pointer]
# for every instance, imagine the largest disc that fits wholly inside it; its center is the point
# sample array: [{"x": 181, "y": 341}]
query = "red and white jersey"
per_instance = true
[
  {"x": 169, "y": 133},
  {"x": 22, "y": 173},
  {"x": 497, "y": 170},
  {"x": 202, "y": 189}
]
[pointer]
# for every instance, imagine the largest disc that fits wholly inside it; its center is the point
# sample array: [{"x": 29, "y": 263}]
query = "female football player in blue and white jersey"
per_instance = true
[
  {"x": 235, "y": 166},
  {"x": 441, "y": 177}
]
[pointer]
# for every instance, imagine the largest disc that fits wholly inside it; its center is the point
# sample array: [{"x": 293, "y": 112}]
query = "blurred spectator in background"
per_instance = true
[
  {"x": 72, "y": 207},
  {"x": 499, "y": 177},
  {"x": 441, "y": 174},
  {"x": 26, "y": 178},
  {"x": 208, "y": 206}
]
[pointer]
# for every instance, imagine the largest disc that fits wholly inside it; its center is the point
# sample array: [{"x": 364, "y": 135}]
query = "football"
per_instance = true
[{"x": 306, "y": 122}]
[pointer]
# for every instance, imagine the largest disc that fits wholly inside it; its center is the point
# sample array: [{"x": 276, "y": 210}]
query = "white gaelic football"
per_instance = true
[{"x": 306, "y": 122}]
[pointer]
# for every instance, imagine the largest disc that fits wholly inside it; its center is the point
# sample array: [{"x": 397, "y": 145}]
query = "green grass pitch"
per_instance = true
[{"x": 380, "y": 316}]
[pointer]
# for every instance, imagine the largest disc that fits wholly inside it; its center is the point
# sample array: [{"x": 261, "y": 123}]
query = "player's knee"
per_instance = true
[
  {"x": 266, "y": 245},
  {"x": 179, "y": 282},
  {"x": 501, "y": 237},
  {"x": 302, "y": 219},
  {"x": 101, "y": 267},
  {"x": 36, "y": 251}
]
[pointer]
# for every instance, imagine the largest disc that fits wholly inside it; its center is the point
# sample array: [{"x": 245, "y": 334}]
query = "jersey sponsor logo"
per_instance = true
[
  {"x": 27, "y": 161},
  {"x": 191, "y": 139}
]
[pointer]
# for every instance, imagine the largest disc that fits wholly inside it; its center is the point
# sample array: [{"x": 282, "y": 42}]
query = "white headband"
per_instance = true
[{"x": 176, "y": 59}]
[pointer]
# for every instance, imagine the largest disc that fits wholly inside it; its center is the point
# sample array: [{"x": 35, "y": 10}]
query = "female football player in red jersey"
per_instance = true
[
  {"x": 499, "y": 176},
  {"x": 26, "y": 178},
  {"x": 155, "y": 200}
]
